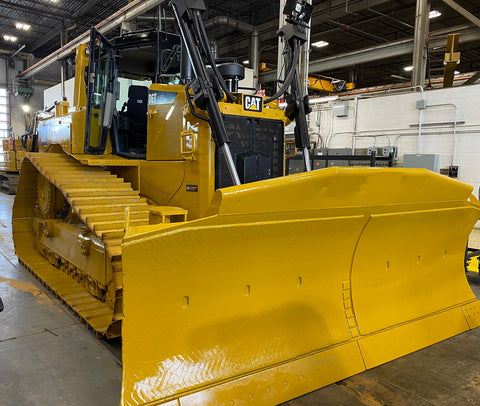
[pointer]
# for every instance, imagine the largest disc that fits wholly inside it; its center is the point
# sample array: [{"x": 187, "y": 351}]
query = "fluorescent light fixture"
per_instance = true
[
  {"x": 324, "y": 99},
  {"x": 25, "y": 108},
  {"x": 434, "y": 14},
  {"x": 408, "y": 68},
  {"x": 10, "y": 38},
  {"x": 313, "y": 100},
  {"x": 319, "y": 44},
  {"x": 22, "y": 26},
  {"x": 246, "y": 62}
]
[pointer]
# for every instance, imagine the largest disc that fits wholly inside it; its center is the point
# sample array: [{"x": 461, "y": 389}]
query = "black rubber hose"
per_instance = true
[
  {"x": 190, "y": 104},
  {"x": 290, "y": 74}
]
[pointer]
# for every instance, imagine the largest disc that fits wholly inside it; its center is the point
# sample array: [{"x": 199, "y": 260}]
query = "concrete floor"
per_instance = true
[{"x": 47, "y": 357}]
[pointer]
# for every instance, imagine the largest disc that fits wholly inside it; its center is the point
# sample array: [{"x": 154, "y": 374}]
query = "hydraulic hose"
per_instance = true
[
  {"x": 190, "y": 104},
  {"x": 290, "y": 74}
]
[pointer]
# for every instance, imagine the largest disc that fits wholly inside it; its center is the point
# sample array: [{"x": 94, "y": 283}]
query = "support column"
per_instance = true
[{"x": 420, "y": 48}]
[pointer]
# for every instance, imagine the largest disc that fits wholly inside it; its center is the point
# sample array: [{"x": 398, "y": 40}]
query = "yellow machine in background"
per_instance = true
[
  {"x": 13, "y": 152},
  {"x": 253, "y": 293},
  {"x": 12, "y": 157}
]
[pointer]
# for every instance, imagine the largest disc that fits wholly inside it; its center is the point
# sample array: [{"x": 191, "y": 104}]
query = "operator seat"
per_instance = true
[{"x": 137, "y": 105}]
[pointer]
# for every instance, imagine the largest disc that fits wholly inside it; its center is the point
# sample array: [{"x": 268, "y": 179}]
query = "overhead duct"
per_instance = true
[
  {"x": 254, "y": 39},
  {"x": 130, "y": 11}
]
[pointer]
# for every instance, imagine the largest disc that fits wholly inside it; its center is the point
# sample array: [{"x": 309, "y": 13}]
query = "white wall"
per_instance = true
[
  {"x": 54, "y": 94},
  {"x": 390, "y": 118}
]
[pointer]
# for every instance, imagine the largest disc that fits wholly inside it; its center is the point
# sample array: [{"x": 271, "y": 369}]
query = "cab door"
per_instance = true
[{"x": 100, "y": 80}]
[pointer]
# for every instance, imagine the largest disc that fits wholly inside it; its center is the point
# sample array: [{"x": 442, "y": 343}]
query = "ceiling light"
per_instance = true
[
  {"x": 246, "y": 62},
  {"x": 313, "y": 100},
  {"x": 22, "y": 26},
  {"x": 434, "y": 14},
  {"x": 10, "y": 38},
  {"x": 25, "y": 108},
  {"x": 408, "y": 68},
  {"x": 320, "y": 44}
]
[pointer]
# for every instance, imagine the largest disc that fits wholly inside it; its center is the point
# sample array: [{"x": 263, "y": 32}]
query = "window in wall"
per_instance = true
[{"x": 4, "y": 113}]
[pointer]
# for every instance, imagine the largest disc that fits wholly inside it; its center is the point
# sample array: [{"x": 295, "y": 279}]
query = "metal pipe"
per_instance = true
[
  {"x": 397, "y": 131},
  {"x": 130, "y": 11},
  {"x": 420, "y": 122},
  {"x": 354, "y": 137},
  {"x": 156, "y": 18},
  {"x": 230, "y": 22},
  {"x": 454, "y": 140},
  {"x": 254, "y": 39},
  {"x": 420, "y": 48},
  {"x": 398, "y": 135},
  {"x": 407, "y": 88},
  {"x": 355, "y": 118},
  {"x": 391, "y": 18},
  {"x": 16, "y": 52}
]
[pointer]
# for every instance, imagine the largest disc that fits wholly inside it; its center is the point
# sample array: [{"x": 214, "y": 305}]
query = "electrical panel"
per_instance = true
[
  {"x": 427, "y": 161},
  {"x": 340, "y": 109}
]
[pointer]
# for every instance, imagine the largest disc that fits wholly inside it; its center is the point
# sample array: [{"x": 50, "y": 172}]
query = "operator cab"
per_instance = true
[{"x": 123, "y": 70}]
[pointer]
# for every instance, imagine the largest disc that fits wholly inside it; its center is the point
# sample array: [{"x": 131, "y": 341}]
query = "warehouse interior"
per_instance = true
[{"x": 223, "y": 202}]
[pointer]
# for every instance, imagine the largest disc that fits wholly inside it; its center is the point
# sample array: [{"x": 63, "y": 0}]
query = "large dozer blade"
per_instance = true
[{"x": 294, "y": 283}]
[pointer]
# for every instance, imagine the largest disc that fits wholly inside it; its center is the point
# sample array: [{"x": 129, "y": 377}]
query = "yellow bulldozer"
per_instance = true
[
  {"x": 168, "y": 219},
  {"x": 13, "y": 152},
  {"x": 12, "y": 157}
]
